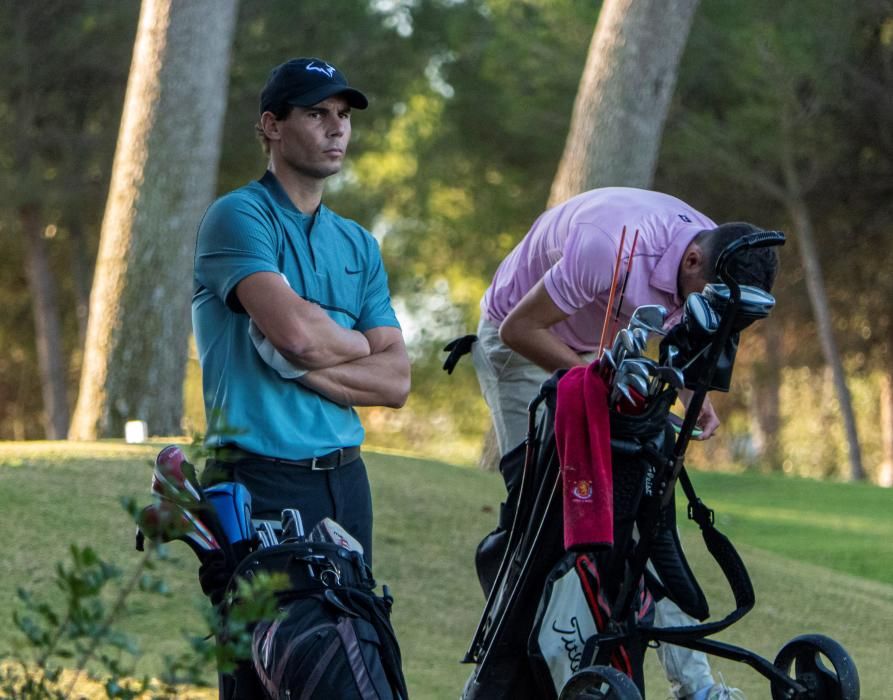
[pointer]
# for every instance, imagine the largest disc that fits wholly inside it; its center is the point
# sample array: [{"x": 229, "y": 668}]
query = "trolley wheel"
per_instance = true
[
  {"x": 822, "y": 665},
  {"x": 600, "y": 683}
]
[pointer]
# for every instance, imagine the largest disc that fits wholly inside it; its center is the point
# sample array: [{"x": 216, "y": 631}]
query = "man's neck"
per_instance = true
[{"x": 304, "y": 192}]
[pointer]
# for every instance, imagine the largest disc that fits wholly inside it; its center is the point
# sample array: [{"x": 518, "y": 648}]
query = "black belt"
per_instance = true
[{"x": 332, "y": 460}]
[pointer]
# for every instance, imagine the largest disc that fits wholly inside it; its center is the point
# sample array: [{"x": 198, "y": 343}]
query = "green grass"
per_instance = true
[
  {"x": 820, "y": 554},
  {"x": 842, "y": 526}
]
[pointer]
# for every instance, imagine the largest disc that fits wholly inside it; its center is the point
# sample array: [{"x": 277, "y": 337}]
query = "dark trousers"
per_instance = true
[{"x": 342, "y": 494}]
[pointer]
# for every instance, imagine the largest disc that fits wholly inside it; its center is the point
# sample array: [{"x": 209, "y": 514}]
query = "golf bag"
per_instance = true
[
  {"x": 592, "y": 621},
  {"x": 549, "y": 603},
  {"x": 333, "y": 638}
]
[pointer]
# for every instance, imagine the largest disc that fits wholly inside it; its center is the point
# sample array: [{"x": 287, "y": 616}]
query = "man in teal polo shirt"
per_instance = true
[{"x": 310, "y": 287}]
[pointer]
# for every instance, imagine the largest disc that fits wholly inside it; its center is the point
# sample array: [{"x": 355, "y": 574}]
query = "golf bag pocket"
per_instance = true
[
  {"x": 639, "y": 446},
  {"x": 328, "y": 645},
  {"x": 573, "y": 610},
  {"x": 333, "y": 638}
]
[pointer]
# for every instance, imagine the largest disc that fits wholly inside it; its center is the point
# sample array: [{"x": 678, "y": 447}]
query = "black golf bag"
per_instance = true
[
  {"x": 333, "y": 638},
  {"x": 549, "y": 602}
]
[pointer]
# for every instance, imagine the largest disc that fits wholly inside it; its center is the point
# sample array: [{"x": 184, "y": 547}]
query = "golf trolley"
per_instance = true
[{"x": 525, "y": 557}]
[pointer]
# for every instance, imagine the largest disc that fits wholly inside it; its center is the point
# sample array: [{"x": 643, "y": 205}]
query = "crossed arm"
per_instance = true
[{"x": 347, "y": 367}]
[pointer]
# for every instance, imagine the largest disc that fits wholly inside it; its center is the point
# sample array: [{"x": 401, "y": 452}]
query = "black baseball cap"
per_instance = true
[{"x": 304, "y": 82}]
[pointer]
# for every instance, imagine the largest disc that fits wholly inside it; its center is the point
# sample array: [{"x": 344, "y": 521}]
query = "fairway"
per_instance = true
[{"x": 429, "y": 518}]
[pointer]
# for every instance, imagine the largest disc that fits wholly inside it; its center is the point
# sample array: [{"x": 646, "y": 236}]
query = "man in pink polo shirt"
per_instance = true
[{"x": 547, "y": 303}]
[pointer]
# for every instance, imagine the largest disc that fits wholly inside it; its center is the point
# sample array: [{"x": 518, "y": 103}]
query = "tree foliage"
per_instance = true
[
  {"x": 65, "y": 65},
  {"x": 470, "y": 106}
]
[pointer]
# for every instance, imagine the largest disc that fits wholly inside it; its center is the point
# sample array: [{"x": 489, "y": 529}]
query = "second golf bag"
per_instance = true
[
  {"x": 550, "y": 602},
  {"x": 334, "y": 637}
]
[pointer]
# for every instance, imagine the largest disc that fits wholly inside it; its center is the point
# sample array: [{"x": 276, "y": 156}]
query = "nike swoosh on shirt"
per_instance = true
[{"x": 351, "y": 272}]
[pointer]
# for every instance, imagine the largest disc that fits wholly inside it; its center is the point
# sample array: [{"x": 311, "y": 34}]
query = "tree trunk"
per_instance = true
[
  {"x": 765, "y": 402},
  {"x": 885, "y": 472},
  {"x": 80, "y": 272},
  {"x": 624, "y": 95},
  {"x": 163, "y": 178},
  {"x": 815, "y": 287},
  {"x": 47, "y": 333}
]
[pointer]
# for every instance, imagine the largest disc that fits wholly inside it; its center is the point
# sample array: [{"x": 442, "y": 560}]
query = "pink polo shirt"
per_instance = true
[{"x": 573, "y": 247}]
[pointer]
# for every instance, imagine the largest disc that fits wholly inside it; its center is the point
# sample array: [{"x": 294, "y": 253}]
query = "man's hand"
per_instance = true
[
  {"x": 300, "y": 330},
  {"x": 708, "y": 421}
]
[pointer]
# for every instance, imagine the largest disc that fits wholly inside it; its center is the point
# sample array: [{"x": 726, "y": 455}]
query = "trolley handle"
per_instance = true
[{"x": 761, "y": 239}]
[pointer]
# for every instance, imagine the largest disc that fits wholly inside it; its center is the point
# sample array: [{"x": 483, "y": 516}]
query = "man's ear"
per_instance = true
[
  {"x": 692, "y": 275},
  {"x": 270, "y": 125},
  {"x": 693, "y": 259}
]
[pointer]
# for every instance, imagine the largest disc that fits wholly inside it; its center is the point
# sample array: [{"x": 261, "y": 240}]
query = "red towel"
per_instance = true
[{"x": 583, "y": 440}]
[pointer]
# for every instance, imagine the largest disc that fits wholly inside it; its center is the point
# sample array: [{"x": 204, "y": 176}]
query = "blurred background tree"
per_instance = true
[
  {"x": 163, "y": 179},
  {"x": 65, "y": 64},
  {"x": 471, "y": 107}
]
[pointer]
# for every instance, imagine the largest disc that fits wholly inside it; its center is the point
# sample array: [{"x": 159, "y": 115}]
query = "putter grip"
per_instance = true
[{"x": 762, "y": 239}]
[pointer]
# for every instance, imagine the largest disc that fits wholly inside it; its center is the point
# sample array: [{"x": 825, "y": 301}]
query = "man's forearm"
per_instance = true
[
  {"x": 300, "y": 330},
  {"x": 543, "y": 348},
  {"x": 526, "y": 331},
  {"x": 380, "y": 379},
  {"x": 329, "y": 349},
  {"x": 322, "y": 343}
]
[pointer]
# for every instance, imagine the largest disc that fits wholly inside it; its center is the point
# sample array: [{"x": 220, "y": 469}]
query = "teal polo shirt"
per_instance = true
[{"x": 328, "y": 260}]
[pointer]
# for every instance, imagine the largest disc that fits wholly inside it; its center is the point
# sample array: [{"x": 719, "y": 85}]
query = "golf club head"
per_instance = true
[
  {"x": 620, "y": 390},
  {"x": 327, "y": 530},
  {"x": 699, "y": 317},
  {"x": 292, "y": 524},
  {"x": 638, "y": 382},
  {"x": 650, "y": 318},
  {"x": 608, "y": 359},
  {"x": 266, "y": 529},
  {"x": 165, "y": 521},
  {"x": 173, "y": 477},
  {"x": 627, "y": 342},
  {"x": 640, "y": 335},
  {"x": 754, "y": 303},
  {"x": 631, "y": 401},
  {"x": 617, "y": 350},
  {"x": 641, "y": 366},
  {"x": 671, "y": 376}
]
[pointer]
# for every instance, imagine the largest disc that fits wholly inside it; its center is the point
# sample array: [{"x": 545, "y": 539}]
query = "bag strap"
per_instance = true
[
  {"x": 731, "y": 564},
  {"x": 377, "y": 609}
]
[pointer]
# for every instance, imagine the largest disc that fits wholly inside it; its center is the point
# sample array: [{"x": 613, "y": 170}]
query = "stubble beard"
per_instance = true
[{"x": 316, "y": 171}]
